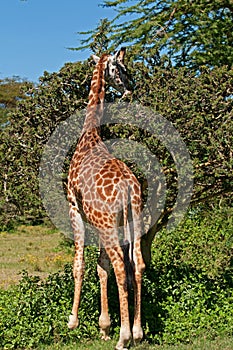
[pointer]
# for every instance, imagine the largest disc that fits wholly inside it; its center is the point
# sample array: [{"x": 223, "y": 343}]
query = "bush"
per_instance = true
[
  {"x": 36, "y": 312},
  {"x": 188, "y": 288},
  {"x": 187, "y": 291}
]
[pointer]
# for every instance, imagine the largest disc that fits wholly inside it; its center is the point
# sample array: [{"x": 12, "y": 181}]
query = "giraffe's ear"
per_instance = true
[
  {"x": 121, "y": 54},
  {"x": 95, "y": 59}
]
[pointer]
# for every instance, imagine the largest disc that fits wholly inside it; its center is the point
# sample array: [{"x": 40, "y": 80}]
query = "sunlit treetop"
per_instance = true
[{"x": 188, "y": 33}]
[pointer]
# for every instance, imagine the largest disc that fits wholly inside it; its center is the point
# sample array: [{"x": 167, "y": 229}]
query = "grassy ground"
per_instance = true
[
  {"x": 202, "y": 344},
  {"x": 37, "y": 249}
]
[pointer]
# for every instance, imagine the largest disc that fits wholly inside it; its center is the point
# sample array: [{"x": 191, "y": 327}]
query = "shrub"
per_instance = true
[
  {"x": 188, "y": 288},
  {"x": 36, "y": 311}
]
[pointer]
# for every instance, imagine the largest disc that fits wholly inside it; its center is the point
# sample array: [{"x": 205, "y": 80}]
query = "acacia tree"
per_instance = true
[
  {"x": 188, "y": 33},
  {"x": 98, "y": 40},
  {"x": 11, "y": 90},
  {"x": 22, "y": 140}
]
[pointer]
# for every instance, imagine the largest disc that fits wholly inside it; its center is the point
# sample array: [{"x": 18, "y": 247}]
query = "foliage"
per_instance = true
[
  {"x": 187, "y": 292},
  {"x": 201, "y": 110},
  {"x": 22, "y": 141},
  {"x": 187, "y": 33},
  {"x": 98, "y": 41},
  {"x": 190, "y": 280},
  {"x": 11, "y": 90},
  {"x": 36, "y": 311}
]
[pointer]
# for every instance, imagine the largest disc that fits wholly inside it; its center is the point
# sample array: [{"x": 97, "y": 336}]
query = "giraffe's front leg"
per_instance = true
[
  {"x": 103, "y": 269},
  {"x": 78, "y": 272},
  {"x": 79, "y": 265}
]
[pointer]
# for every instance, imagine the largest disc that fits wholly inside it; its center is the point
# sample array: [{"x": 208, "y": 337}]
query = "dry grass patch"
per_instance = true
[{"x": 36, "y": 249}]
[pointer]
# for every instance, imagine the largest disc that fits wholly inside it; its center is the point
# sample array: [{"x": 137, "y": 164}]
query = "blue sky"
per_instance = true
[{"x": 35, "y": 34}]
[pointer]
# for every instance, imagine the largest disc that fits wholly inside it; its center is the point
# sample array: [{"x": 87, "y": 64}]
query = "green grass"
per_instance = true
[
  {"x": 36, "y": 249},
  {"x": 201, "y": 344}
]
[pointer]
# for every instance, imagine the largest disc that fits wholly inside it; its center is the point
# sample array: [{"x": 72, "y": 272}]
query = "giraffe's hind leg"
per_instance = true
[
  {"x": 79, "y": 265},
  {"x": 139, "y": 267},
  {"x": 103, "y": 269},
  {"x": 117, "y": 259}
]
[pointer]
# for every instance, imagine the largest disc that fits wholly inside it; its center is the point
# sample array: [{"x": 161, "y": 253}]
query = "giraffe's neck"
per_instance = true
[{"x": 96, "y": 97}]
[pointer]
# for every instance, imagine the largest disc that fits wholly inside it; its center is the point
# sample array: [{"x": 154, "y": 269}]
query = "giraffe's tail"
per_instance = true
[{"x": 128, "y": 239}]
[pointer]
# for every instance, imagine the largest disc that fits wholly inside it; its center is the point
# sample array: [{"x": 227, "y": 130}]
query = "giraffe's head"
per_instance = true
[{"x": 115, "y": 71}]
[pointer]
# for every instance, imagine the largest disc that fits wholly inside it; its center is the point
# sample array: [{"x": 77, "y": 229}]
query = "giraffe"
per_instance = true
[{"x": 99, "y": 189}]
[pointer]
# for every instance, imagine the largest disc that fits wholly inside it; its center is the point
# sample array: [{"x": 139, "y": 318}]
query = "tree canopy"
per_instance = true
[
  {"x": 11, "y": 91},
  {"x": 187, "y": 33}
]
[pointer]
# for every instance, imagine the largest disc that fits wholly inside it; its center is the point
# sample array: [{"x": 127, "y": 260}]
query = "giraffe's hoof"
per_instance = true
[
  {"x": 123, "y": 342},
  {"x": 104, "y": 334},
  {"x": 104, "y": 323},
  {"x": 120, "y": 347},
  {"x": 137, "y": 334},
  {"x": 105, "y": 337},
  {"x": 73, "y": 322}
]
